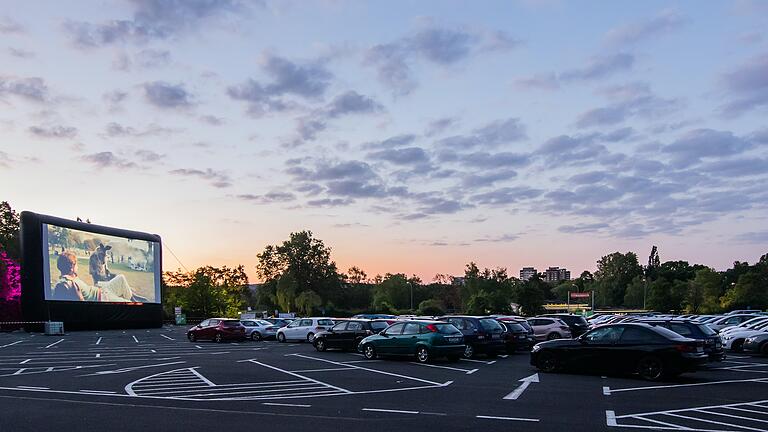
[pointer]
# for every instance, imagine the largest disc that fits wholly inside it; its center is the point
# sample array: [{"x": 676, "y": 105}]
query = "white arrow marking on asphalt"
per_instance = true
[
  {"x": 131, "y": 369},
  {"x": 525, "y": 383}
]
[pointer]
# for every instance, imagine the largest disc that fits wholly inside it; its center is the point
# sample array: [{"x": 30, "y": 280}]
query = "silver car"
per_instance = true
[
  {"x": 259, "y": 329},
  {"x": 545, "y": 328}
]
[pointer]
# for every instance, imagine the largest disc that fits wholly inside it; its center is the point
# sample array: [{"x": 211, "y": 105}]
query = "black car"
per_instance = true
[
  {"x": 482, "y": 334},
  {"x": 516, "y": 337},
  {"x": 347, "y": 335},
  {"x": 757, "y": 344},
  {"x": 713, "y": 345},
  {"x": 652, "y": 352},
  {"x": 577, "y": 323}
]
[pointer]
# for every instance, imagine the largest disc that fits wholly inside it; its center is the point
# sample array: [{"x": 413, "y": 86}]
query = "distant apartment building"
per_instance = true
[
  {"x": 527, "y": 273},
  {"x": 556, "y": 274}
]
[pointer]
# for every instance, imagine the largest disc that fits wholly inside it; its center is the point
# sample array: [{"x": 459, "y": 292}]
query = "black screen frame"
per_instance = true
[{"x": 78, "y": 315}]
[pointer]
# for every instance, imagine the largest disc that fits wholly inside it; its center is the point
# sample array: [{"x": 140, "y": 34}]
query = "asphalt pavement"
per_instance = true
[{"x": 138, "y": 380}]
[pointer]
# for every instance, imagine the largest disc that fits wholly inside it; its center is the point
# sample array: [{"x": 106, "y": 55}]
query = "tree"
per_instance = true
[
  {"x": 208, "y": 291},
  {"x": 635, "y": 294},
  {"x": 393, "y": 292},
  {"x": 355, "y": 276},
  {"x": 614, "y": 273},
  {"x": 307, "y": 302},
  {"x": 9, "y": 231},
  {"x": 431, "y": 307},
  {"x": 301, "y": 263},
  {"x": 530, "y": 296}
]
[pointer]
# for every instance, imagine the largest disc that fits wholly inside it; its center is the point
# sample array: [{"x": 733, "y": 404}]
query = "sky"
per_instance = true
[{"x": 410, "y": 137}]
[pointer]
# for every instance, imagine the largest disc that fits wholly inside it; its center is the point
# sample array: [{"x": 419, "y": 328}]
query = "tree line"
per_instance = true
[{"x": 300, "y": 276}]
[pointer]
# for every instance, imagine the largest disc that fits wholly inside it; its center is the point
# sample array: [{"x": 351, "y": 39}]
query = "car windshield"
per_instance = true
[
  {"x": 325, "y": 322},
  {"x": 706, "y": 330},
  {"x": 490, "y": 325},
  {"x": 264, "y": 323},
  {"x": 514, "y": 327}
]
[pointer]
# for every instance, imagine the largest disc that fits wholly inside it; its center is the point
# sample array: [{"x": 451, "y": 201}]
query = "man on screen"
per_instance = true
[{"x": 71, "y": 287}]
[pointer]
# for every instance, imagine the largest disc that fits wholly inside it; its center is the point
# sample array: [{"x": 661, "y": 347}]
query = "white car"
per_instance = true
[
  {"x": 735, "y": 340},
  {"x": 545, "y": 328},
  {"x": 304, "y": 329},
  {"x": 728, "y": 321},
  {"x": 259, "y": 329},
  {"x": 746, "y": 325}
]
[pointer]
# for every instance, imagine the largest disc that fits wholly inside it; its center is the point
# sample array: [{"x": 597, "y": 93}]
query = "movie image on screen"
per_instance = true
[{"x": 89, "y": 267}]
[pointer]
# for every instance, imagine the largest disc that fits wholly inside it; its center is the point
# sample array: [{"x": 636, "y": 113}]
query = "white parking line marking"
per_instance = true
[
  {"x": 98, "y": 355},
  {"x": 714, "y": 422},
  {"x": 98, "y": 391},
  {"x": 153, "y": 351},
  {"x": 758, "y": 380},
  {"x": 606, "y": 391},
  {"x": 98, "y": 341},
  {"x": 467, "y": 371},
  {"x": 507, "y": 418},
  {"x": 130, "y": 369},
  {"x": 479, "y": 361},
  {"x": 372, "y": 370},
  {"x": 204, "y": 379},
  {"x": 286, "y": 404},
  {"x": 472, "y": 371},
  {"x": 134, "y": 338},
  {"x": 169, "y": 338},
  {"x": 525, "y": 383},
  {"x": 612, "y": 419},
  {"x": 33, "y": 387},
  {"x": 53, "y": 344},
  {"x": 12, "y": 343},
  {"x": 389, "y": 411},
  {"x": 300, "y": 376},
  {"x": 198, "y": 346},
  {"x": 25, "y": 361}
]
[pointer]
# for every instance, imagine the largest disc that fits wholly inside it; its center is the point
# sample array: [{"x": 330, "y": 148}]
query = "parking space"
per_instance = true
[{"x": 157, "y": 378}]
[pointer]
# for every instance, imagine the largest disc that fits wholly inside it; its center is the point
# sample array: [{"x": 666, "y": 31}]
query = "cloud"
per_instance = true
[
  {"x": 116, "y": 130},
  {"x": 20, "y": 53},
  {"x": 63, "y": 132},
  {"x": 115, "y": 99},
  {"x": 34, "y": 89},
  {"x": 542, "y": 81},
  {"x": 483, "y": 179},
  {"x": 507, "y": 195},
  {"x": 435, "y": 45},
  {"x": 628, "y": 34},
  {"x": 438, "y": 126},
  {"x": 433, "y": 203},
  {"x": 694, "y": 145},
  {"x": 108, "y": 160},
  {"x": 167, "y": 96},
  {"x": 628, "y": 101},
  {"x": 504, "y": 238},
  {"x": 350, "y": 179},
  {"x": 747, "y": 87},
  {"x": 731, "y": 168},
  {"x": 308, "y": 80},
  {"x": 9, "y": 26},
  {"x": 493, "y": 134},
  {"x": 153, "y": 19},
  {"x": 149, "y": 156},
  {"x": 755, "y": 237},
  {"x": 402, "y": 156},
  {"x": 352, "y": 102},
  {"x": 391, "y": 142},
  {"x": 212, "y": 120},
  {"x": 218, "y": 179},
  {"x": 583, "y": 228},
  {"x": 600, "y": 67},
  {"x": 144, "y": 59},
  {"x": 268, "y": 198}
]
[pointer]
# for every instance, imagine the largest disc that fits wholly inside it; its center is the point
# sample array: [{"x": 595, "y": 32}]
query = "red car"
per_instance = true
[{"x": 218, "y": 330}]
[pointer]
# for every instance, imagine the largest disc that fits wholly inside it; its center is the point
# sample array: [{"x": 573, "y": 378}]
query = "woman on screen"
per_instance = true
[{"x": 71, "y": 287}]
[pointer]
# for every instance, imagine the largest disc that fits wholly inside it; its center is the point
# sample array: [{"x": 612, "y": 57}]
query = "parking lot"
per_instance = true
[{"x": 125, "y": 380}]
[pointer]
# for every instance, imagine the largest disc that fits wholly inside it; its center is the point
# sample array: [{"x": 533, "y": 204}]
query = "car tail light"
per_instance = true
[
  {"x": 685, "y": 348},
  {"x": 432, "y": 328}
]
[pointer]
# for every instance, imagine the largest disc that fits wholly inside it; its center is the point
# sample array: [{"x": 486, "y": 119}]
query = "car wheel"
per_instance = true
[
  {"x": 218, "y": 338},
  {"x": 650, "y": 368},
  {"x": 281, "y": 337},
  {"x": 191, "y": 337},
  {"x": 310, "y": 337},
  {"x": 553, "y": 336},
  {"x": 320, "y": 344},
  {"x": 469, "y": 351},
  {"x": 737, "y": 345},
  {"x": 422, "y": 355},
  {"x": 256, "y": 336},
  {"x": 547, "y": 362},
  {"x": 369, "y": 352}
]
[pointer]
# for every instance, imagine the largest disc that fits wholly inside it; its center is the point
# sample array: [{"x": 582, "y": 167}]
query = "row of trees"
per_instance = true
[{"x": 300, "y": 276}]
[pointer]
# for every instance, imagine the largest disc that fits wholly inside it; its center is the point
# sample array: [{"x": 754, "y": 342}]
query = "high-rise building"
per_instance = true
[
  {"x": 557, "y": 274},
  {"x": 527, "y": 273}
]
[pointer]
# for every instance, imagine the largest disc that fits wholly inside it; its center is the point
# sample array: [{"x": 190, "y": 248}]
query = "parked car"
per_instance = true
[
  {"x": 279, "y": 322},
  {"x": 303, "y": 329},
  {"x": 744, "y": 312},
  {"x": 729, "y": 320},
  {"x": 713, "y": 344},
  {"x": 347, "y": 335},
  {"x": 374, "y": 316},
  {"x": 516, "y": 337},
  {"x": 757, "y": 344},
  {"x": 576, "y": 323},
  {"x": 652, "y": 352},
  {"x": 259, "y": 329},
  {"x": 424, "y": 339},
  {"x": 549, "y": 328},
  {"x": 482, "y": 334},
  {"x": 734, "y": 340},
  {"x": 746, "y": 325},
  {"x": 519, "y": 320},
  {"x": 218, "y": 330}
]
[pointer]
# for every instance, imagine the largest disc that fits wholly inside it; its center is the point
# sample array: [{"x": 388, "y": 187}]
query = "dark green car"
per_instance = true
[{"x": 423, "y": 339}]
